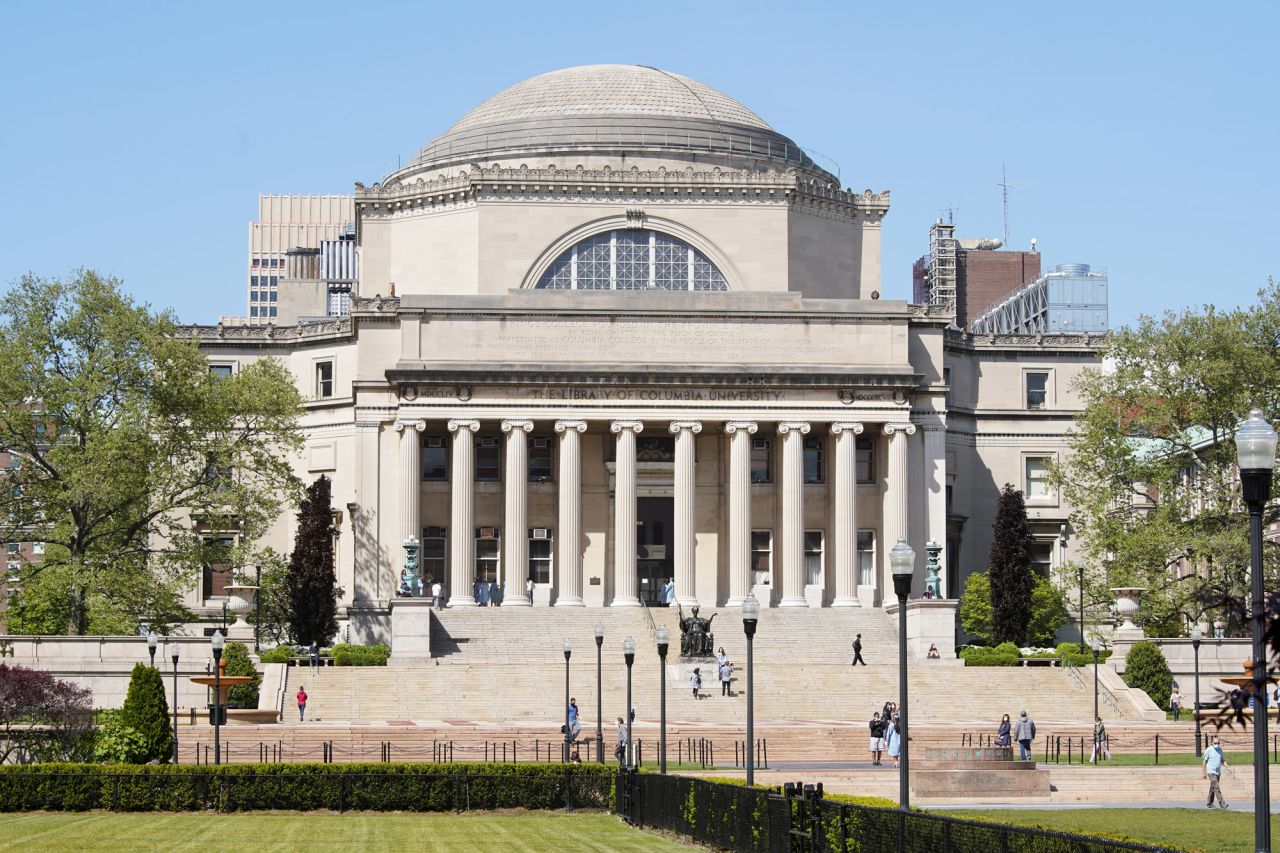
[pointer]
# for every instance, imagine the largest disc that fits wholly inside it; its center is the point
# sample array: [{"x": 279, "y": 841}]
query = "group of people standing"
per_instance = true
[
  {"x": 886, "y": 734},
  {"x": 724, "y": 670}
]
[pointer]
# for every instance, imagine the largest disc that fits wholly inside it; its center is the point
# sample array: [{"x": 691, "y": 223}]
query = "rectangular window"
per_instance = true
[
  {"x": 1041, "y": 558},
  {"x": 866, "y": 460},
  {"x": 541, "y": 459},
  {"x": 539, "y": 556},
  {"x": 488, "y": 547},
  {"x": 813, "y": 461},
  {"x": 253, "y": 310},
  {"x": 253, "y": 296},
  {"x": 434, "y": 553},
  {"x": 37, "y": 547},
  {"x": 1037, "y": 485},
  {"x": 488, "y": 459},
  {"x": 324, "y": 379},
  {"x": 866, "y": 558},
  {"x": 762, "y": 460},
  {"x": 217, "y": 572},
  {"x": 14, "y": 549},
  {"x": 253, "y": 281},
  {"x": 1037, "y": 384},
  {"x": 273, "y": 310},
  {"x": 813, "y": 557},
  {"x": 761, "y": 557},
  {"x": 273, "y": 299},
  {"x": 435, "y": 459},
  {"x": 220, "y": 371},
  {"x": 255, "y": 262}
]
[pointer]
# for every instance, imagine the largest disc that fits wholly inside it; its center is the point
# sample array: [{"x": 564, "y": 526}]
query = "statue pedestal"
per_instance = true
[
  {"x": 930, "y": 622},
  {"x": 410, "y": 632},
  {"x": 992, "y": 774}
]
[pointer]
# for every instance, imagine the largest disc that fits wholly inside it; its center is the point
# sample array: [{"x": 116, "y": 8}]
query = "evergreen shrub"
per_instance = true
[
  {"x": 239, "y": 663},
  {"x": 146, "y": 711},
  {"x": 1146, "y": 669}
]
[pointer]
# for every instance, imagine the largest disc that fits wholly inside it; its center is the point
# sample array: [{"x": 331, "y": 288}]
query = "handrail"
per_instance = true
[
  {"x": 1103, "y": 691},
  {"x": 648, "y": 618}
]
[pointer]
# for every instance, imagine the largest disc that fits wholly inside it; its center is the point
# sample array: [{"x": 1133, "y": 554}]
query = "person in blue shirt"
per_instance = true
[
  {"x": 669, "y": 592},
  {"x": 574, "y": 726},
  {"x": 1214, "y": 761}
]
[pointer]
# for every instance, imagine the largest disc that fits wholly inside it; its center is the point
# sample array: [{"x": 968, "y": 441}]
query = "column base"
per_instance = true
[
  {"x": 846, "y": 602},
  {"x": 570, "y": 601},
  {"x": 625, "y": 601},
  {"x": 520, "y": 600},
  {"x": 793, "y": 601},
  {"x": 462, "y": 601}
]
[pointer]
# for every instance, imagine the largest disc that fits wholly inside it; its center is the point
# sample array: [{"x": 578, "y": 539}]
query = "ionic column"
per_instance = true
[
  {"x": 844, "y": 541},
  {"x": 792, "y": 545},
  {"x": 624, "y": 505},
  {"x": 515, "y": 552},
  {"x": 569, "y": 536},
  {"x": 462, "y": 518},
  {"x": 685, "y": 517},
  {"x": 739, "y": 433},
  {"x": 935, "y": 481},
  {"x": 895, "y": 503},
  {"x": 410, "y": 478}
]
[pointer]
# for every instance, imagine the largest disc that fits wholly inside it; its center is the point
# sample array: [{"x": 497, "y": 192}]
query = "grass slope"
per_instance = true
[
  {"x": 1213, "y": 831},
  {"x": 50, "y": 833}
]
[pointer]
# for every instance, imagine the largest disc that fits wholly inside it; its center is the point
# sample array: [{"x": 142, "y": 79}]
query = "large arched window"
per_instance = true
[{"x": 632, "y": 259}]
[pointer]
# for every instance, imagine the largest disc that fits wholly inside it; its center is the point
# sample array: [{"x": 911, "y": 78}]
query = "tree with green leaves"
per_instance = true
[
  {"x": 239, "y": 663},
  {"x": 1048, "y": 610},
  {"x": 1009, "y": 566},
  {"x": 1150, "y": 471},
  {"x": 1146, "y": 669},
  {"x": 271, "y": 612},
  {"x": 130, "y": 454},
  {"x": 311, "y": 583},
  {"x": 146, "y": 711}
]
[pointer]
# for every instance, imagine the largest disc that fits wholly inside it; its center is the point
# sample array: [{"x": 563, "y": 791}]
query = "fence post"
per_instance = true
[{"x": 1157, "y": 747}]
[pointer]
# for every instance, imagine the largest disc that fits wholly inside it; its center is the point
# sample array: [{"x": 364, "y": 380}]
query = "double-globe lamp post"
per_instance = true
[
  {"x": 568, "y": 733},
  {"x": 1195, "y": 653},
  {"x": 1256, "y": 456},
  {"x": 750, "y": 618},
  {"x": 663, "y": 636},
  {"x": 629, "y": 655},
  {"x": 217, "y": 696},
  {"x": 902, "y": 560},
  {"x": 599, "y": 697}
]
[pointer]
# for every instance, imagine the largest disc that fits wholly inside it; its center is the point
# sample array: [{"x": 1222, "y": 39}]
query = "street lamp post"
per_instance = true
[
  {"x": 902, "y": 559},
  {"x": 750, "y": 618},
  {"x": 174, "y": 656},
  {"x": 217, "y": 697},
  {"x": 1097, "y": 648},
  {"x": 1080, "y": 576},
  {"x": 568, "y": 650},
  {"x": 629, "y": 655},
  {"x": 257, "y": 608},
  {"x": 152, "y": 642},
  {"x": 599, "y": 697},
  {"x": 1195, "y": 711},
  {"x": 663, "y": 636},
  {"x": 1256, "y": 456}
]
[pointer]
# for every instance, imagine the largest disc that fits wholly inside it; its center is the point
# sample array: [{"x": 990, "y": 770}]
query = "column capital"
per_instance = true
[
  {"x": 509, "y": 426},
  {"x": 455, "y": 425},
  {"x": 410, "y": 423},
  {"x": 564, "y": 426},
  {"x": 787, "y": 426},
  {"x": 618, "y": 426},
  {"x": 677, "y": 426},
  {"x": 846, "y": 426},
  {"x": 890, "y": 429},
  {"x": 750, "y": 427}
]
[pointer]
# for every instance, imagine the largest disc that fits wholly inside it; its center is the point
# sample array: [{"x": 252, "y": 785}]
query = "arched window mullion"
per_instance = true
[{"x": 633, "y": 259}]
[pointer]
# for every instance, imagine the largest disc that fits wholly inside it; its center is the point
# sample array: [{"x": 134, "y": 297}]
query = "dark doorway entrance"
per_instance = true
[{"x": 655, "y": 518}]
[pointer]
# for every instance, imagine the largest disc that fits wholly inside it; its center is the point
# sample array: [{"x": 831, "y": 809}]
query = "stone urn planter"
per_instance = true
[
  {"x": 240, "y": 598},
  {"x": 1128, "y": 603}
]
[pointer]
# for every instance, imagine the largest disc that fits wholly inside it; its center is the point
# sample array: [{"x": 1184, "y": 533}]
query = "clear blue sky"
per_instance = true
[{"x": 1141, "y": 137}]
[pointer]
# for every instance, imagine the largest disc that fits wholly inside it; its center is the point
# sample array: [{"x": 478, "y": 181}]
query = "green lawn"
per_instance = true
[
  {"x": 1234, "y": 759},
  {"x": 1213, "y": 831},
  {"x": 50, "y": 832}
]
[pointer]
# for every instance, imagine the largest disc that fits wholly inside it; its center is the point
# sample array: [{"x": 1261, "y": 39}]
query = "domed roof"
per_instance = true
[
  {"x": 610, "y": 110},
  {"x": 610, "y": 90}
]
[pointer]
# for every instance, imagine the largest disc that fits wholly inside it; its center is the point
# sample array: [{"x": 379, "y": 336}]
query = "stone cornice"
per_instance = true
[
  {"x": 335, "y": 329},
  {"x": 854, "y": 384},
  {"x": 1081, "y": 342}
]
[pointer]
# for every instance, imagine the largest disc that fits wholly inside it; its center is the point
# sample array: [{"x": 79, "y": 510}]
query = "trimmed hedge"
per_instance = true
[
  {"x": 304, "y": 787},
  {"x": 983, "y": 656},
  {"x": 347, "y": 655}
]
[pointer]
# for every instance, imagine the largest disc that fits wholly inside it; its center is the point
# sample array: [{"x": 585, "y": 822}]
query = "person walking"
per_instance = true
[
  {"x": 668, "y": 593},
  {"x": 695, "y": 681},
  {"x": 1100, "y": 746},
  {"x": 1024, "y": 732},
  {"x": 1214, "y": 761},
  {"x": 620, "y": 751},
  {"x": 721, "y": 657},
  {"x": 313, "y": 652},
  {"x": 1002, "y": 732},
  {"x": 437, "y": 595},
  {"x": 1175, "y": 703},
  {"x": 857, "y": 651},
  {"x": 726, "y": 676},
  {"x": 528, "y": 590},
  {"x": 302, "y": 703},
  {"x": 574, "y": 726},
  {"x": 893, "y": 739},
  {"x": 876, "y": 743},
  {"x": 495, "y": 595}
]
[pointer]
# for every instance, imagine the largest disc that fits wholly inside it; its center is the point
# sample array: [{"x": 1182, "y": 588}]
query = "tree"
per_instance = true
[
  {"x": 146, "y": 711},
  {"x": 1146, "y": 669},
  {"x": 239, "y": 663},
  {"x": 43, "y": 718},
  {"x": 124, "y": 439},
  {"x": 272, "y": 610},
  {"x": 1048, "y": 610},
  {"x": 311, "y": 584},
  {"x": 1010, "y": 568}
]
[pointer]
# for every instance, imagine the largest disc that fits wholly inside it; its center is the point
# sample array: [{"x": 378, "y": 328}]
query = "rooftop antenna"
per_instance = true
[{"x": 1005, "y": 186}]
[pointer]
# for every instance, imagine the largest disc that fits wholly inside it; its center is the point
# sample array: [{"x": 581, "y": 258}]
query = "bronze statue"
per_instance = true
[{"x": 696, "y": 639}]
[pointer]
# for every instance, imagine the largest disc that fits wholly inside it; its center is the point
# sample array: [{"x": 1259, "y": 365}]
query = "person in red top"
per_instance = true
[{"x": 302, "y": 703}]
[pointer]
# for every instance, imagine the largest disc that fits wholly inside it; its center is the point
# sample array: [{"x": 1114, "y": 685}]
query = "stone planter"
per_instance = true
[
  {"x": 240, "y": 600},
  {"x": 1128, "y": 603}
]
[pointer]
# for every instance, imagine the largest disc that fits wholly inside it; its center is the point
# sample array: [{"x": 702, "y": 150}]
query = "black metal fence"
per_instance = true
[{"x": 798, "y": 819}]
